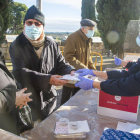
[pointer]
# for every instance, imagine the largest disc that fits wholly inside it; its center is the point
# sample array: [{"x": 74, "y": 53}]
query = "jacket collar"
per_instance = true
[{"x": 84, "y": 37}]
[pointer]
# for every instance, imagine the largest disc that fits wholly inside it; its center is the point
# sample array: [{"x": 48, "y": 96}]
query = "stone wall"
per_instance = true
[
  {"x": 5, "y": 50},
  {"x": 95, "y": 47},
  {"x": 132, "y": 32},
  {"x": 99, "y": 48}
]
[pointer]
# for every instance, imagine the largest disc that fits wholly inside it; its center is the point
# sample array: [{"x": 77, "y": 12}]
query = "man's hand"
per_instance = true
[
  {"x": 55, "y": 80},
  {"x": 72, "y": 72},
  {"x": 22, "y": 98}
]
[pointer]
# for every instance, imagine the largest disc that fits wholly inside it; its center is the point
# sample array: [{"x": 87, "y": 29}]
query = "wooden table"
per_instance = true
[{"x": 83, "y": 106}]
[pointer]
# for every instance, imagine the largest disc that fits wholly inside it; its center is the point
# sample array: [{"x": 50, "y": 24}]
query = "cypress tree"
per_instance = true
[
  {"x": 113, "y": 18},
  {"x": 88, "y": 9},
  {"x": 4, "y": 18}
]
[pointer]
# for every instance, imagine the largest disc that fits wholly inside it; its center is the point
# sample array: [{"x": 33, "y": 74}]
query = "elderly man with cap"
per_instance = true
[
  {"x": 36, "y": 60},
  {"x": 77, "y": 53}
]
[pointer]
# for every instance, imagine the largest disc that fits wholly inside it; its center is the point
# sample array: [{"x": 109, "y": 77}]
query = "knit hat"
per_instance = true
[{"x": 34, "y": 13}]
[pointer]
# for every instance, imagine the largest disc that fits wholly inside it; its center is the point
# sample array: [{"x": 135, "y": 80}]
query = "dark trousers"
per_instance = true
[{"x": 68, "y": 92}]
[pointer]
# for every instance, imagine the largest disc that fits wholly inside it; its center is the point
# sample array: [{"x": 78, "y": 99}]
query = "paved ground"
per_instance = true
[{"x": 108, "y": 62}]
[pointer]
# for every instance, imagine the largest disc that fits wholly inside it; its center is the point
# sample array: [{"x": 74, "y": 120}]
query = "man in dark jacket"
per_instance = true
[
  {"x": 36, "y": 60},
  {"x": 10, "y": 98},
  {"x": 120, "y": 83}
]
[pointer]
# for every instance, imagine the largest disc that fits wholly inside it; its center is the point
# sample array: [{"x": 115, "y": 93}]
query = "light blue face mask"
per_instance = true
[
  {"x": 90, "y": 33},
  {"x": 138, "y": 40},
  {"x": 33, "y": 32}
]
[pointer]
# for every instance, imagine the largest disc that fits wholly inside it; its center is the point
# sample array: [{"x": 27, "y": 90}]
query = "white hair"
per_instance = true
[{"x": 83, "y": 27}]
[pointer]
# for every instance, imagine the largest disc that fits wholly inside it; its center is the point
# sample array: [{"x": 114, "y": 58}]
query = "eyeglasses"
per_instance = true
[{"x": 29, "y": 23}]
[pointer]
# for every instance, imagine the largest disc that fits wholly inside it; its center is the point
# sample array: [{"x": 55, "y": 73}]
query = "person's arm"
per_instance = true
[
  {"x": 124, "y": 63},
  {"x": 63, "y": 67},
  {"x": 69, "y": 54},
  {"x": 101, "y": 74},
  {"x": 129, "y": 86},
  {"x": 121, "y": 62},
  {"x": 11, "y": 98},
  {"x": 115, "y": 74},
  {"x": 96, "y": 84},
  {"x": 26, "y": 76}
]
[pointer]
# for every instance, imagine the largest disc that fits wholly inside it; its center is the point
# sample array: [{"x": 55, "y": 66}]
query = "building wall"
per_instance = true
[{"x": 132, "y": 32}]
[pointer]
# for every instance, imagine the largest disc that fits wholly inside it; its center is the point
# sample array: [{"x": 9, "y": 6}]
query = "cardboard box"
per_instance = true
[{"x": 120, "y": 107}]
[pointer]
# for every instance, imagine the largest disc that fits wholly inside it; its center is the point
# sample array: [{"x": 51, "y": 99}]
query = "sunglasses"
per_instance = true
[{"x": 29, "y": 23}]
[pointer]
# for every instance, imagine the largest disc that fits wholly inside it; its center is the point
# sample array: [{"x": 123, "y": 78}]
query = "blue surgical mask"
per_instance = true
[
  {"x": 33, "y": 32},
  {"x": 90, "y": 33},
  {"x": 138, "y": 40}
]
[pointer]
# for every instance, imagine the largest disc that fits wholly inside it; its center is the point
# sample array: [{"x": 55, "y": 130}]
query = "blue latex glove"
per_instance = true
[
  {"x": 85, "y": 84},
  {"x": 84, "y": 72},
  {"x": 118, "y": 61}
]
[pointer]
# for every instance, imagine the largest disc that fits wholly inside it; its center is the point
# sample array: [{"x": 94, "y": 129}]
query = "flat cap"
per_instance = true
[{"x": 88, "y": 22}]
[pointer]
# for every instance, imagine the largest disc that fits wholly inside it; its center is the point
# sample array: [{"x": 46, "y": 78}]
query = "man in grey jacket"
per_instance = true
[{"x": 36, "y": 62}]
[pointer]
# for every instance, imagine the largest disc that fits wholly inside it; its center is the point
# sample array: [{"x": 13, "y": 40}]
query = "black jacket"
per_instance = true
[
  {"x": 35, "y": 73},
  {"x": 9, "y": 120}
]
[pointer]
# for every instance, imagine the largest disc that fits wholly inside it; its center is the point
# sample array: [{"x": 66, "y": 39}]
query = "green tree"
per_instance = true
[
  {"x": 88, "y": 9},
  {"x": 4, "y": 18},
  {"x": 113, "y": 18},
  {"x": 97, "y": 33},
  {"x": 17, "y": 14}
]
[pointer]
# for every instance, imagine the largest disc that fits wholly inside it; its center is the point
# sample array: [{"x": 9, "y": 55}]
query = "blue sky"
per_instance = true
[{"x": 60, "y": 15}]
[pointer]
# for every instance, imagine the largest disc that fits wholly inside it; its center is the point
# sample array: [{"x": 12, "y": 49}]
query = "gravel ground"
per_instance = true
[{"x": 108, "y": 62}]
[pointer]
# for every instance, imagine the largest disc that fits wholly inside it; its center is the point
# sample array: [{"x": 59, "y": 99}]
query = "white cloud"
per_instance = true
[{"x": 73, "y": 3}]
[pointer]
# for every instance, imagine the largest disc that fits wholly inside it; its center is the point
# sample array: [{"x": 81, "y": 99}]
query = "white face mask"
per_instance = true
[
  {"x": 33, "y": 32},
  {"x": 138, "y": 40},
  {"x": 90, "y": 33}
]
